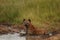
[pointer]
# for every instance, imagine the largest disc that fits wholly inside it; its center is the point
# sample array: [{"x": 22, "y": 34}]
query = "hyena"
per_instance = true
[{"x": 31, "y": 29}]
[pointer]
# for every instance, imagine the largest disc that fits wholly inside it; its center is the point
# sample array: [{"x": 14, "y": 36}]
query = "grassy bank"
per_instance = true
[{"x": 43, "y": 13}]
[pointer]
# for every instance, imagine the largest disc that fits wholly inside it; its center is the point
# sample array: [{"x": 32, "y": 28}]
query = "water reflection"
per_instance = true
[{"x": 14, "y": 36}]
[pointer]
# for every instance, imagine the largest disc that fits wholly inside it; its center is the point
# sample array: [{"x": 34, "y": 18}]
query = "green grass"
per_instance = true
[{"x": 43, "y": 13}]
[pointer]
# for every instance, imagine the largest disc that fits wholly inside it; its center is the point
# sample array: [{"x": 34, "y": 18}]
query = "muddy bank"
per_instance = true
[
  {"x": 4, "y": 29},
  {"x": 55, "y": 37}
]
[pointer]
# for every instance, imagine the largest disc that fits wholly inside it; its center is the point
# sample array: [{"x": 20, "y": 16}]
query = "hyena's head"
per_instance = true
[{"x": 26, "y": 22}]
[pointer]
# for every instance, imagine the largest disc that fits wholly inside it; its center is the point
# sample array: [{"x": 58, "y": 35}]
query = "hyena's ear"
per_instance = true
[
  {"x": 24, "y": 20},
  {"x": 29, "y": 20}
]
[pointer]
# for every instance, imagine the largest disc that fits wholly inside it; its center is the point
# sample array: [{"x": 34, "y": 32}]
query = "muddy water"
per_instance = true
[{"x": 14, "y": 36}]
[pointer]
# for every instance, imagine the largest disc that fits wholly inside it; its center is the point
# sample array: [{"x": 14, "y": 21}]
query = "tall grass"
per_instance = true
[{"x": 43, "y": 13}]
